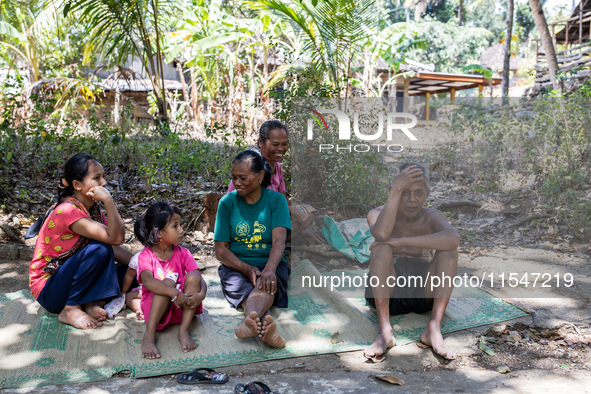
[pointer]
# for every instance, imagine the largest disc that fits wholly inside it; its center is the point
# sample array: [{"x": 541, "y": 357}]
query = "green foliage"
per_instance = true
[
  {"x": 37, "y": 146},
  {"x": 120, "y": 29},
  {"x": 477, "y": 68},
  {"x": 332, "y": 31},
  {"x": 524, "y": 21},
  {"x": 547, "y": 140},
  {"x": 351, "y": 183},
  {"x": 448, "y": 47},
  {"x": 444, "y": 11}
]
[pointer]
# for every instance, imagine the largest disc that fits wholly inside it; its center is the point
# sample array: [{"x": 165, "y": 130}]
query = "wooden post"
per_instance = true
[
  {"x": 479, "y": 90},
  {"x": 553, "y": 38},
  {"x": 566, "y": 42},
  {"x": 581, "y": 26},
  {"x": 427, "y": 106},
  {"x": 405, "y": 96},
  {"x": 453, "y": 96}
]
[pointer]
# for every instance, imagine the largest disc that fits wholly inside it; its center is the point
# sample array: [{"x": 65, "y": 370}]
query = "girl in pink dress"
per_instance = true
[{"x": 172, "y": 287}]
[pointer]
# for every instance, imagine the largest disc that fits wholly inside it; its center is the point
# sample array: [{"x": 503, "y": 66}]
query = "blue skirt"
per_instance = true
[
  {"x": 88, "y": 275},
  {"x": 236, "y": 286}
]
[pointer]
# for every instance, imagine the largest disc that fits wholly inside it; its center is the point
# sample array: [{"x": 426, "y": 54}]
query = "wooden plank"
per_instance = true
[
  {"x": 580, "y": 27},
  {"x": 457, "y": 78}
]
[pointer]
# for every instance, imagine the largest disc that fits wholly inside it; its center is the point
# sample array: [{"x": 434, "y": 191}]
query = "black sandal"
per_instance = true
[
  {"x": 196, "y": 377},
  {"x": 251, "y": 388}
]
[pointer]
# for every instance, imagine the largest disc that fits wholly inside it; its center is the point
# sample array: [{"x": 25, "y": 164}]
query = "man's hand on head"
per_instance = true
[{"x": 405, "y": 178}]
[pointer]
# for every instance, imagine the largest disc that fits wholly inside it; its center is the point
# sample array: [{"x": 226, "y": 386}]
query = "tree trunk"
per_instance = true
[
  {"x": 420, "y": 7},
  {"x": 117, "y": 107},
  {"x": 460, "y": 12},
  {"x": 179, "y": 69},
  {"x": 507, "y": 60},
  {"x": 549, "y": 50},
  {"x": 194, "y": 97}
]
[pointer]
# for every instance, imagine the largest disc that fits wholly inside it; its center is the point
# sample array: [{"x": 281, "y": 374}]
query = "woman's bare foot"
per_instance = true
[
  {"x": 270, "y": 335},
  {"x": 187, "y": 343},
  {"x": 248, "y": 328},
  {"x": 75, "y": 316},
  {"x": 379, "y": 348},
  {"x": 432, "y": 337},
  {"x": 259, "y": 324},
  {"x": 149, "y": 349},
  {"x": 95, "y": 309}
]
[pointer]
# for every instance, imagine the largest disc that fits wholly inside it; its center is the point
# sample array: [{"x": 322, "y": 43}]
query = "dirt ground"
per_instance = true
[
  {"x": 559, "y": 339},
  {"x": 495, "y": 239}
]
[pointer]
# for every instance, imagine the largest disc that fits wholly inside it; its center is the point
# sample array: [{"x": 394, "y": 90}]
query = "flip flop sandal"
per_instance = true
[
  {"x": 196, "y": 377},
  {"x": 253, "y": 388}
]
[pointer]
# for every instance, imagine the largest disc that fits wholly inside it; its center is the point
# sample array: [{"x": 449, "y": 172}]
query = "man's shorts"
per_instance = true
[{"x": 406, "y": 299}]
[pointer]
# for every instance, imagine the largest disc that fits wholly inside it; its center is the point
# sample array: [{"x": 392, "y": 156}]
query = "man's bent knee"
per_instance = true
[
  {"x": 447, "y": 255},
  {"x": 381, "y": 254}
]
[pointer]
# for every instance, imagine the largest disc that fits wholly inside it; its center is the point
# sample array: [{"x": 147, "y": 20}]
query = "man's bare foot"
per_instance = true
[
  {"x": 248, "y": 328},
  {"x": 95, "y": 309},
  {"x": 149, "y": 349},
  {"x": 377, "y": 351},
  {"x": 432, "y": 337},
  {"x": 187, "y": 343},
  {"x": 270, "y": 335},
  {"x": 75, "y": 316},
  {"x": 139, "y": 314}
]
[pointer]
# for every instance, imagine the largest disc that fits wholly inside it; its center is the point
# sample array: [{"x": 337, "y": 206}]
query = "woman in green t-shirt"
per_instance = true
[{"x": 251, "y": 227}]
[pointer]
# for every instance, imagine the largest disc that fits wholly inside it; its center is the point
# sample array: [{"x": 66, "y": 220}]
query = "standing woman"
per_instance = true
[
  {"x": 73, "y": 269},
  {"x": 251, "y": 227}
]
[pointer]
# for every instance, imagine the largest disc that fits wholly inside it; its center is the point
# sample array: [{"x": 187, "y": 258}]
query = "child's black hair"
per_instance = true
[
  {"x": 257, "y": 164},
  {"x": 75, "y": 169},
  {"x": 148, "y": 225}
]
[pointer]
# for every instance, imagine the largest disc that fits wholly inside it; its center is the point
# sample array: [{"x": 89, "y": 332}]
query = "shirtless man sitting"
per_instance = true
[{"x": 405, "y": 233}]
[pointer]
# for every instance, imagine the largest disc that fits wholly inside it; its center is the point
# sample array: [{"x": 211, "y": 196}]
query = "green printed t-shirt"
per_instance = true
[{"x": 248, "y": 227}]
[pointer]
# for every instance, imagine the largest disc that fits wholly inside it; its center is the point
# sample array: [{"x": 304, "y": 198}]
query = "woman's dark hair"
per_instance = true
[
  {"x": 269, "y": 125},
  {"x": 75, "y": 169},
  {"x": 148, "y": 226},
  {"x": 257, "y": 164}
]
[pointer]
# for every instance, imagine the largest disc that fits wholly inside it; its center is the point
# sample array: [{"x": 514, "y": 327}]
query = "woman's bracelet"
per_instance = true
[{"x": 176, "y": 296}]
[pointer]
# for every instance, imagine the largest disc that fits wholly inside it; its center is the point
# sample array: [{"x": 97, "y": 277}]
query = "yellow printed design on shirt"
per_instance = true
[
  {"x": 259, "y": 229},
  {"x": 47, "y": 239},
  {"x": 242, "y": 229},
  {"x": 57, "y": 248},
  {"x": 51, "y": 224},
  {"x": 67, "y": 236},
  {"x": 254, "y": 239}
]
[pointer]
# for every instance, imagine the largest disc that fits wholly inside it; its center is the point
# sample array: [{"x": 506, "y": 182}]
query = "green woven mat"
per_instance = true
[{"x": 35, "y": 349}]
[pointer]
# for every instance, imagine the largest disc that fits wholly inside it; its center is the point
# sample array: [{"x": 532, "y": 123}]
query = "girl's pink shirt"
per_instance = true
[{"x": 176, "y": 267}]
